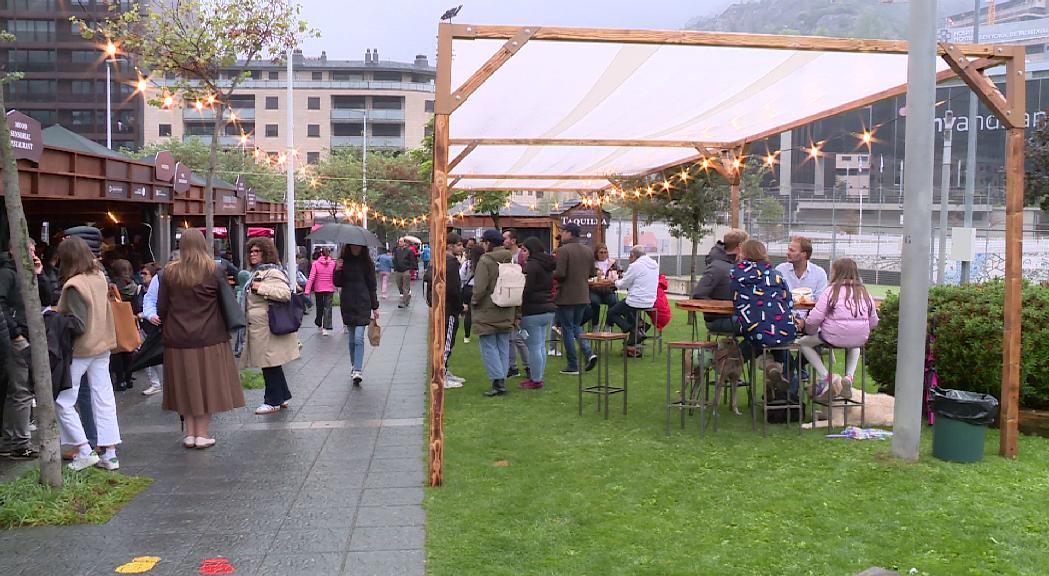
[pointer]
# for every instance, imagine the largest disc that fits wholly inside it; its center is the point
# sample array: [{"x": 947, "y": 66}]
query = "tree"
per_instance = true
[
  {"x": 193, "y": 42},
  {"x": 47, "y": 425},
  {"x": 266, "y": 180},
  {"x": 763, "y": 208},
  {"x": 688, "y": 207},
  {"x": 336, "y": 179}
]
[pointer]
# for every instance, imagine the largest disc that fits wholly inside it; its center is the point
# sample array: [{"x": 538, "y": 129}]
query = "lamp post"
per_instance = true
[
  {"x": 364, "y": 172},
  {"x": 945, "y": 189},
  {"x": 111, "y": 58}
]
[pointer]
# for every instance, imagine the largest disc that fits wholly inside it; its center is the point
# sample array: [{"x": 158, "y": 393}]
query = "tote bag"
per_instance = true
[
  {"x": 286, "y": 317},
  {"x": 128, "y": 336},
  {"x": 232, "y": 313},
  {"x": 374, "y": 333}
]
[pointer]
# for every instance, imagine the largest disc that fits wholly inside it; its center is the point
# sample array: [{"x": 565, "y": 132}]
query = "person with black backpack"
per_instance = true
[{"x": 492, "y": 323}]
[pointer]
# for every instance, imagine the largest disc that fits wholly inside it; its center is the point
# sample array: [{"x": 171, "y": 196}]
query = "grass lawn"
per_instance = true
[
  {"x": 533, "y": 488},
  {"x": 87, "y": 497},
  {"x": 252, "y": 379}
]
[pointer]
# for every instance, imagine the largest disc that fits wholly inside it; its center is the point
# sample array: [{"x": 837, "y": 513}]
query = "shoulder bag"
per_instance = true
[
  {"x": 232, "y": 313},
  {"x": 124, "y": 323}
]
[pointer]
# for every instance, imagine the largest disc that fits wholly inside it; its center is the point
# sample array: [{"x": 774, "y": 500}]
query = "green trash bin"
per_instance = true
[
  {"x": 957, "y": 441},
  {"x": 960, "y": 429}
]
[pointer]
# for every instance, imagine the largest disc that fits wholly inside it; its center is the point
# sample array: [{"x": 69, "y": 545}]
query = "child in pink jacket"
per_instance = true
[
  {"x": 321, "y": 282},
  {"x": 843, "y": 317}
]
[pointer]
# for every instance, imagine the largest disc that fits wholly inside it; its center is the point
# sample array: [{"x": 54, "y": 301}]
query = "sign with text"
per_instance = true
[
  {"x": 183, "y": 176},
  {"x": 161, "y": 193},
  {"x": 164, "y": 166},
  {"x": 139, "y": 192},
  {"x": 586, "y": 218},
  {"x": 242, "y": 186},
  {"x": 251, "y": 198},
  {"x": 27, "y": 142},
  {"x": 116, "y": 190}
]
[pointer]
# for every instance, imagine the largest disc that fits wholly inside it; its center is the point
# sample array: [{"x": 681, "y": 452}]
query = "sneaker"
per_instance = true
[
  {"x": 357, "y": 377},
  {"x": 466, "y": 339},
  {"x": 108, "y": 462},
  {"x": 570, "y": 371},
  {"x": 844, "y": 386},
  {"x": 449, "y": 376},
  {"x": 591, "y": 362},
  {"x": 530, "y": 385},
  {"x": 153, "y": 389},
  {"x": 513, "y": 373},
  {"x": 23, "y": 454},
  {"x": 324, "y": 332},
  {"x": 821, "y": 387},
  {"x": 81, "y": 462},
  {"x": 448, "y": 384},
  {"x": 267, "y": 409},
  {"x": 554, "y": 352},
  {"x": 32, "y": 425}
]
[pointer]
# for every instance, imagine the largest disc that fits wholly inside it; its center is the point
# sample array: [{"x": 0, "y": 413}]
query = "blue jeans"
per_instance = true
[
  {"x": 571, "y": 319},
  {"x": 495, "y": 353},
  {"x": 537, "y": 326},
  {"x": 357, "y": 347},
  {"x": 596, "y": 300}
]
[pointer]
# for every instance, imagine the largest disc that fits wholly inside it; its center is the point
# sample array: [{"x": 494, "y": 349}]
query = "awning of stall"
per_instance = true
[{"x": 563, "y": 108}]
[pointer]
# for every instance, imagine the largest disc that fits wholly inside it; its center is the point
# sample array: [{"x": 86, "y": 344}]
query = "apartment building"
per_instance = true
[
  {"x": 64, "y": 75},
  {"x": 333, "y": 101}
]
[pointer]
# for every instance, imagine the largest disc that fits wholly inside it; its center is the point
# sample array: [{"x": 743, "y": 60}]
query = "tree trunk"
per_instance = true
[
  {"x": 47, "y": 425},
  {"x": 209, "y": 190},
  {"x": 636, "y": 234},
  {"x": 692, "y": 263}
]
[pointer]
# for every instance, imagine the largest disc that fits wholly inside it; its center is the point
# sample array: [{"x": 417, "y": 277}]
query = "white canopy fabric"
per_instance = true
[{"x": 609, "y": 91}]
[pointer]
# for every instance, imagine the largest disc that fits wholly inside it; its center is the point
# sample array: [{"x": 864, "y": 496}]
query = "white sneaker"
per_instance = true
[
  {"x": 357, "y": 377},
  {"x": 267, "y": 409},
  {"x": 108, "y": 462},
  {"x": 452, "y": 384},
  {"x": 153, "y": 389},
  {"x": 324, "y": 332},
  {"x": 449, "y": 376},
  {"x": 553, "y": 352},
  {"x": 81, "y": 462},
  {"x": 466, "y": 340}
]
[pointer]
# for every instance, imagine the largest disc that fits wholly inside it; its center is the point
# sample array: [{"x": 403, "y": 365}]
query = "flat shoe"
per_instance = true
[
  {"x": 203, "y": 443},
  {"x": 189, "y": 441},
  {"x": 267, "y": 409}
]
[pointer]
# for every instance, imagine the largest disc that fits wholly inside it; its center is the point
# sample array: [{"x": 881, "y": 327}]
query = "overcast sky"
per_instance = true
[{"x": 400, "y": 29}]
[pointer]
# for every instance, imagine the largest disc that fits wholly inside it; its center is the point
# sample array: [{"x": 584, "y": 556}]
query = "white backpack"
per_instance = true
[{"x": 509, "y": 287}]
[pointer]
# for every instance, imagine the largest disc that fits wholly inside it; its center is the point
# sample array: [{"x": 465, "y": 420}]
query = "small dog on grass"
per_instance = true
[{"x": 879, "y": 412}]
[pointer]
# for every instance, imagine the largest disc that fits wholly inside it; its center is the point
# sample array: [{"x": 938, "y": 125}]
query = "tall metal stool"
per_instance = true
[
  {"x": 714, "y": 337},
  {"x": 830, "y": 402},
  {"x": 689, "y": 388},
  {"x": 653, "y": 314},
  {"x": 788, "y": 406},
  {"x": 602, "y": 345}
]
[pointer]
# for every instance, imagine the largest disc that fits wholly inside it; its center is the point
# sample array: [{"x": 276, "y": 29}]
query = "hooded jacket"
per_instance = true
[
  {"x": 487, "y": 318},
  {"x": 641, "y": 282},
  {"x": 357, "y": 298},
  {"x": 764, "y": 307},
  {"x": 538, "y": 295},
  {"x": 11, "y": 297},
  {"x": 716, "y": 283},
  {"x": 321, "y": 276}
]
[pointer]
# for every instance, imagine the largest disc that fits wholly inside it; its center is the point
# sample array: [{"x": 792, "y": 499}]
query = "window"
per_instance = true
[
  {"x": 82, "y": 118},
  {"x": 271, "y": 131},
  {"x": 313, "y": 131},
  {"x": 84, "y": 57},
  {"x": 313, "y": 103},
  {"x": 428, "y": 106},
  {"x": 31, "y": 60},
  {"x": 32, "y": 30},
  {"x": 313, "y": 157},
  {"x": 387, "y": 102},
  {"x": 255, "y": 74},
  {"x": 242, "y": 101},
  {"x": 45, "y": 117},
  {"x": 32, "y": 88},
  {"x": 386, "y": 129},
  {"x": 39, "y": 5},
  {"x": 379, "y": 76},
  {"x": 347, "y": 102},
  {"x": 347, "y": 129},
  {"x": 81, "y": 88},
  {"x": 274, "y": 75},
  {"x": 164, "y": 130},
  {"x": 341, "y": 76},
  {"x": 272, "y": 103},
  {"x": 318, "y": 76},
  {"x": 199, "y": 129}
]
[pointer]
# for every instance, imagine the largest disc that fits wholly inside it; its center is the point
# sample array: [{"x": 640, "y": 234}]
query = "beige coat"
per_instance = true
[{"x": 262, "y": 348}]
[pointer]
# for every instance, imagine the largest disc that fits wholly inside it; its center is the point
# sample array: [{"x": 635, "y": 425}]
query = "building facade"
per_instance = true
[
  {"x": 334, "y": 101},
  {"x": 64, "y": 75}
]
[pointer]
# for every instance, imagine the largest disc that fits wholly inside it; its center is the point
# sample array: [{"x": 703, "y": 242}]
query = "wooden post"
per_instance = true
[
  {"x": 1014, "y": 201},
  {"x": 734, "y": 203},
  {"x": 636, "y": 238},
  {"x": 438, "y": 230}
]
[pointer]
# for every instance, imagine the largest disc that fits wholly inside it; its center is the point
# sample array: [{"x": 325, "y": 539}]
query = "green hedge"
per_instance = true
[{"x": 969, "y": 340}]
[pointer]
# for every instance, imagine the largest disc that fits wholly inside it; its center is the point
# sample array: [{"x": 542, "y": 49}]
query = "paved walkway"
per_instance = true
[{"x": 331, "y": 486}]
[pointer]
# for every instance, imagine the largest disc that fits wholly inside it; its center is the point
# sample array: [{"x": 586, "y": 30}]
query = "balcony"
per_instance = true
[
  {"x": 373, "y": 142},
  {"x": 373, "y": 115},
  {"x": 192, "y": 114},
  {"x": 227, "y": 141},
  {"x": 322, "y": 84}
]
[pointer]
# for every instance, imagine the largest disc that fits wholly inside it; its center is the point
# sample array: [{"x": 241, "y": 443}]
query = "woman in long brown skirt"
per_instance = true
[{"x": 200, "y": 374}]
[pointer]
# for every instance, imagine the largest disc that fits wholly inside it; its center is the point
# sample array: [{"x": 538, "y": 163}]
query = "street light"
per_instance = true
[{"x": 111, "y": 58}]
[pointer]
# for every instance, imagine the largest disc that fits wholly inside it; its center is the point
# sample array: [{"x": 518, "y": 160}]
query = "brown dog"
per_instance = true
[{"x": 879, "y": 413}]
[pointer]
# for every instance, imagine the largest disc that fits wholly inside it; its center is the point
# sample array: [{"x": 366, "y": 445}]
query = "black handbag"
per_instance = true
[
  {"x": 286, "y": 317},
  {"x": 232, "y": 313}
]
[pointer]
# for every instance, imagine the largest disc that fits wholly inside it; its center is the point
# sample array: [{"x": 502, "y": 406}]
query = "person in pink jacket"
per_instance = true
[
  {"x": 321, "y": 283},
  {"x": 843, "y": 317}
]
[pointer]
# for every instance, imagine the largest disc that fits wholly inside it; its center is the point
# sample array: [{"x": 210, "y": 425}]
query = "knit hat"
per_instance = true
[
  {"x": 493, "y": 236},
  {"x": 89, "y": 234}
]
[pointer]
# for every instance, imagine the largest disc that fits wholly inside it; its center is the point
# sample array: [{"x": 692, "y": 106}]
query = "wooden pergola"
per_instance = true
[{"x": 969, "y": 62}]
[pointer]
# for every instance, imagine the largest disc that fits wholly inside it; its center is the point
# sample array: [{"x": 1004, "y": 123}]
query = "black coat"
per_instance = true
[
  {"x": 539, "y": 283},
  {"x": 357, "y": 298}
]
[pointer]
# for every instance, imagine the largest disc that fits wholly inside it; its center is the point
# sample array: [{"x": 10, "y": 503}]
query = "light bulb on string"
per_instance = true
[{"x": 169, "y": 100}]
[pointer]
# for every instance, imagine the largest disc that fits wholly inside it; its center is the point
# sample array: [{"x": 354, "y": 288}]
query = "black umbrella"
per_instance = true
[
  {"x": 150, "y": 353},
  {"x": 344, "y": 234}
]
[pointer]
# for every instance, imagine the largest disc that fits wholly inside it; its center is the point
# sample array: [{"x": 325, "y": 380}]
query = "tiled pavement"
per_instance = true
[{"x": 331, "y": 486}]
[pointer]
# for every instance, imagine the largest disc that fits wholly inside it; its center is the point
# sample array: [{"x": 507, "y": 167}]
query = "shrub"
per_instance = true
[{"x": 968, "y": 346}]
